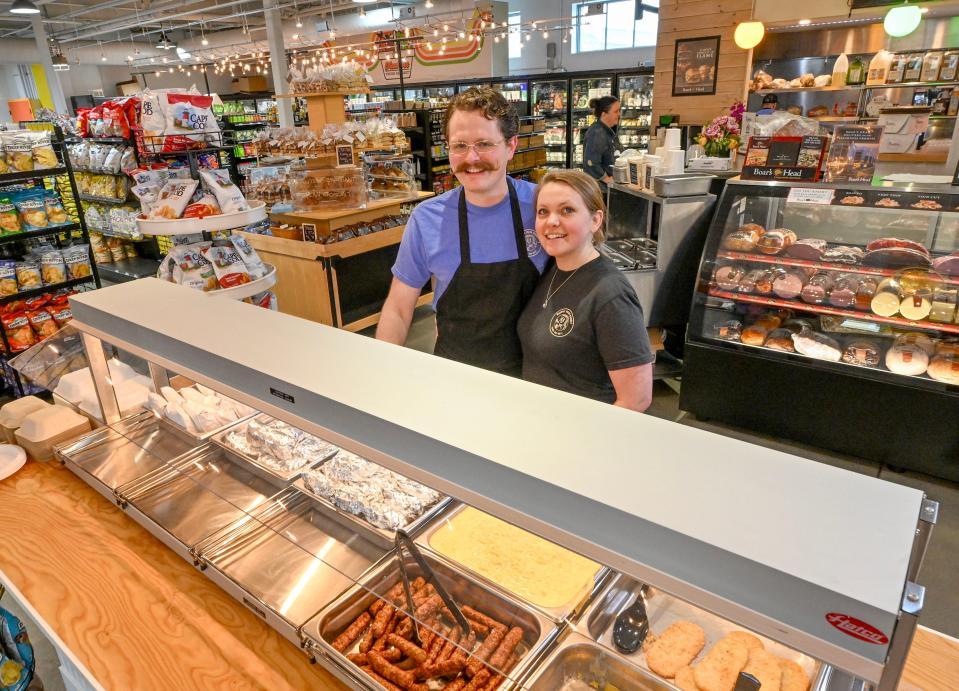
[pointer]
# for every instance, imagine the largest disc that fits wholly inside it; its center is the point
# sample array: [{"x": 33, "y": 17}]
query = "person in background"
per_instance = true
[
  {"x": 770, "y": 105},
  {"x": 583, "y": 330},
  {"x": 601, "y": 143},
  {"x": 473, "y": 242}
]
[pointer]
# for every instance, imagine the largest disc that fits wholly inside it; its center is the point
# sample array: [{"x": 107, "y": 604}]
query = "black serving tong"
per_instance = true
[{"x": 403, "y": 541}]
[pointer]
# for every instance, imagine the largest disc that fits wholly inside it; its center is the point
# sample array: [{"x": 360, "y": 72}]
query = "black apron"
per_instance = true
[{"x": 477, "y": 314}]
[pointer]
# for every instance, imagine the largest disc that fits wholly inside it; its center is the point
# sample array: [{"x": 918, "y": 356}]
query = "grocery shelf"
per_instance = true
[
  {"x": 52, "y": 230},
  {"x": 252, "y": 157},
  {"x": 634, "y": 128},
  {"x": 128, "y": 269},
  {"x": 8, "y": 178},
  {"x": 412, "y": 129},
  {"x": 261, "y": 123},
  {"x": 833, "y": 311},
  {"x": 107, "y": 140},
  {"x": 807, "y": 89},
  {"x": 99, "y": 172},
  {"x": 825, "y": 266},
  {"x": 113, "y": 234},
  {"x": 909, "y": 85},
  {"x": 34, "y": 292},
  {"x": 102, "y": 200}
]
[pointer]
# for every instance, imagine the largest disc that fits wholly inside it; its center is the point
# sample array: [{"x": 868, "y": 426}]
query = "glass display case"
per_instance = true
[
  {"x": 376, "y": 532},
  {"x": 517, "y": 93},
  {"x": 838, "y": 304},
  {"x": 549, "y": 100},
  {"x": 636, "y": 100},
  {"x": 583, "y": 91}
]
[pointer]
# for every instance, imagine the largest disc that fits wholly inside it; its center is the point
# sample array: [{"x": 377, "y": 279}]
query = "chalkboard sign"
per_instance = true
[{"x": 344, "y": 155}]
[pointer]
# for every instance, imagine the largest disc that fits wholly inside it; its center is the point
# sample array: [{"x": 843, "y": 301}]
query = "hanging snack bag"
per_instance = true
[
  {"x": 266, "y": 299},
  {"x": 9, "y": 218},
  {"x": 228, "y": 195},
  {"x": 33, "y": 211},
  {"x": 42, "y": 323},
  {"x": 254, "y": 264},
  {"x": 111, "y": 160},
  {"x": 61, "y": 314},
  {"x": 115, "y": 245},
  {"x": 4, "y": 168},
  {"x": 18, "y": 149},
  {"x": 152, "y": 118},
  {"x": 204, "y": 206},
  {"x": 101, "y": 253},
  {"x": 228, "y": 265},
  {"x": 189, "y": 118},
  {"x": 147, "y": 194},
  {"x": 8, "y": 277},
  {"x": 53, "y": 270},
  {"x": 77, "y": 261},
  {"x": 129, "y": 250},
  {"x": 42, "y": 150},
  {"x": 28, "y": 275},
  {"x": 151, "y": 176},
  {"x": 56, "y": 214},
  {"x": 173, "y": 199},
  {"x": 19, "y": 334},
  {"x": 192, "y": 268}
]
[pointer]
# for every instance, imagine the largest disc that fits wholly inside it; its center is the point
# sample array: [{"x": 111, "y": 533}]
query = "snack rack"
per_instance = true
[{"x": 39, "y": 178}]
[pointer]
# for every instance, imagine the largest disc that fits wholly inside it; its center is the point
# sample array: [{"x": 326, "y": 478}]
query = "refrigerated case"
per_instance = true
[
  {"x": 517, "y": 93},
  {"x": 311, "y": 545},
  {"x": 549, "y": 100},
  {"x": 848, "y": 337},
  {"x": 582, "y": 91},
  {"x": 636, "y": 101}
]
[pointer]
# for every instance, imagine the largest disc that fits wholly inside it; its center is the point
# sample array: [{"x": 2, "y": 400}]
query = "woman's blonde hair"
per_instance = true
[{"x": 585, "y": 186}]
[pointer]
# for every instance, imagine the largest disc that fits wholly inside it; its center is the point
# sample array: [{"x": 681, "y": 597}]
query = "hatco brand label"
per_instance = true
[{"x": 857, "y": 628}]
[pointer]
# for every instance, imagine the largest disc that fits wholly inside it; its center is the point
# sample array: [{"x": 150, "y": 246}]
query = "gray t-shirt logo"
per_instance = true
[
  {"x": 532, "y": 243},
  {"x": 562, "y": 323}
]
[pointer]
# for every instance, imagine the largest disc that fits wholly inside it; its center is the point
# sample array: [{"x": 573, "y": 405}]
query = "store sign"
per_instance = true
[
  {"x": 784, "y": 158},
  {"x": 853, "y": 154},
  {"x": 695, "y": 64},
  {"x": 857, "y": 628},
  {"x": 811, "y": 195}
]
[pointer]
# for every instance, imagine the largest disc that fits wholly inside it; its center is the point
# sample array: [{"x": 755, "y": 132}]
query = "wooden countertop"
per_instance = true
[
  {"x": 135, "y": 614},
  {"x": 372, "y": 205},
  {"x": 138, "y": 616}
]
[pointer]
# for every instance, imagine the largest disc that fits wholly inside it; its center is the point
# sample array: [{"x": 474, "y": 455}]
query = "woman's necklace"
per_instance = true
[{"x": 549, "y": 290}]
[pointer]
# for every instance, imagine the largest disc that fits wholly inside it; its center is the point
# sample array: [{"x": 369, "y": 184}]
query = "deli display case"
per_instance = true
[
  {"x": 583, "y": 91},
  {"x": 438, "y": 553},
  {"x": 837, "y": 303}
]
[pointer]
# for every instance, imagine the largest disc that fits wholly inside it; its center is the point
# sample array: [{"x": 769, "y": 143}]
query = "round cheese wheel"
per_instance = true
[
  {"x": 916, "y": 306},
  {"x": 885, "y": 303}
]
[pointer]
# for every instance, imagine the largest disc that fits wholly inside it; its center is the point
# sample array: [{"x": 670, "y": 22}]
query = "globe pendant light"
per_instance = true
[
  {"x": 749, "y": 34},
  {"x": 902, "y": 20}
]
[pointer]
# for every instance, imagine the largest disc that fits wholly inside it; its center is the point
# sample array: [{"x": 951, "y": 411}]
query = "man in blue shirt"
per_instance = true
[{"x": 478, "y": 242}]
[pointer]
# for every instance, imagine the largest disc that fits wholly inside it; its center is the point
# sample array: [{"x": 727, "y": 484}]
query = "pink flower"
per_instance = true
[{"x": 713, "y": 130}]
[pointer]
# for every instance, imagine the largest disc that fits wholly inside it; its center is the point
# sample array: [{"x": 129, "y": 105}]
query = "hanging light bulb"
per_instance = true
[
  {"x": 495, "y": 39},
  {"x": 163, "y": 60},
  {"x": 296, "y": 37},
  {"x": 446, "y": 27},
  {"x": 462, "y": 34},
  {"x": 429, "y": 46},
  {"x": 428, "y": 4},
  {"x": 299, "y": 24},
  {"x": 528, "y": 36},
  {"x": 902, "y": 20},
  {"x": 545, "y": 34},
  {"x": 749, "y": 34},
  {"x": 157, "y": 73},
  {"x": 504, "y": 24}
]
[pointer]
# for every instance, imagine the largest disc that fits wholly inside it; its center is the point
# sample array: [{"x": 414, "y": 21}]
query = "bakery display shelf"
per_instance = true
[
  {"x": 909, "y": 85},
  {"x": 102, "y": 200},
  {"x": 34, "y": 292},
  {"x": 931, "y": 117},
  {"x": 825, "y": 266},
  {"x": 128, "y": 269},
  {"x": 189, "y": 226},
  {"x": 833, "y": 311},
  {"x": 22, "y": 176},
  {"x": 52, "y": 230},
  {"x": 247, "y": 290},
  {"x": 802, "y": 89}
]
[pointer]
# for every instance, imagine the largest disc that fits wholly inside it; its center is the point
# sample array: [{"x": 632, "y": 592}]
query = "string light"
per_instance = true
[
  {"x": 299, "y": 24},
  {"x": 462, "y": 34},
  {"x": 545, "y": 34},
  {"x": 446, "y": 27},
  {"x": 428, "y": 4}
]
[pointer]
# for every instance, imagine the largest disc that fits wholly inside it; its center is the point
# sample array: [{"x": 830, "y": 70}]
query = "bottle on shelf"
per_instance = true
[
  {"x": 879, "y": 68},
  {"x": 840, "y": 70},
  {"x": 857, "y": 72}
]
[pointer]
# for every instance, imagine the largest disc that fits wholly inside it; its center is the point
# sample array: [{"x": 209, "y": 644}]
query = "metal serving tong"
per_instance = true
[{"x": 402, "y": 540}]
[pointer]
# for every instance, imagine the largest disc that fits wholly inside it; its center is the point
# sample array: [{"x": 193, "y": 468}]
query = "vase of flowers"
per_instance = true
[{"x": 720, "y": 138}]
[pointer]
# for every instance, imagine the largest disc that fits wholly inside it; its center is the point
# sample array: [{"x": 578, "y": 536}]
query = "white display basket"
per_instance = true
[
  {"x": 247, "y": 290},
  {"x": 190, "y": 226}
]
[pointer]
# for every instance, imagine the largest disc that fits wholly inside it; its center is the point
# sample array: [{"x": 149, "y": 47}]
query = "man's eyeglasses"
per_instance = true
[{"x": 480, "y": 147}]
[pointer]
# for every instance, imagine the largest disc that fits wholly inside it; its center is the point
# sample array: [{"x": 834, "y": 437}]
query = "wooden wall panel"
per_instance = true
[{"x": 692, "y": 19}]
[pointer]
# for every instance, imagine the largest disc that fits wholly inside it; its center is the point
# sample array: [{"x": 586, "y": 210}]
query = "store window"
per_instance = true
[
  {"x": 515, "y": 36},
  {"x": 602, "y": 26}
]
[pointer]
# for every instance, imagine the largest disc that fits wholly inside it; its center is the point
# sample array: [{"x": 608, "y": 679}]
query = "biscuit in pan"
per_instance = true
[
  {"x": 765, "y": 667},
  {"x": 675, "y": 648},
  {"x": 749, "y": 640},
  {"x": 720, "y": 669},
  {"x": 684, "y": 680},
  {"x": 794, "y": 676}
]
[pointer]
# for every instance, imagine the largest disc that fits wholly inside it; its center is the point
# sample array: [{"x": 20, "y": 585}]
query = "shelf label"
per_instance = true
[
  {"x": 283, "y": 395},
  {"x": 811, "y": 195}
]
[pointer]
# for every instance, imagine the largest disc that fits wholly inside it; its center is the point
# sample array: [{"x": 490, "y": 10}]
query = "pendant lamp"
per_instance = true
[
  {"x": 749, "y": 34},
  {"x": 23, "y": 7},
  {"x": 902, "y": 20}
]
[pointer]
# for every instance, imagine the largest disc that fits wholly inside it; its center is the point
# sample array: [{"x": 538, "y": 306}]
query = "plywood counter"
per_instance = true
[{"x": 127, "y": 608}]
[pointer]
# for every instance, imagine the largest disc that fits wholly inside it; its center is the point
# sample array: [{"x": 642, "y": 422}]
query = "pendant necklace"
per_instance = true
[{"x": 549, "y": 290}]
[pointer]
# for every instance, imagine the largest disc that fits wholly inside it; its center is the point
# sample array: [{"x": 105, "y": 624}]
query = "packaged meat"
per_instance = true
[
  {"x": 729, "y": 277},
  {"x": 887, "y": 299},
  {"x": 768, "y": 321},
  {"x": 843, "y": 293},
  {"x": 797, "y": 325},
  {"x": 948, "y": 265},
  {"x": 754, "y": 335},
  {"x": 944, "y": 300},
  {"x": 910, "y": 360},
  {"x": 816, "y": 291},
  {"x": 765, "y": 282},
  {"x": 945, "y": 368},
  {"x": 916, "y": 305},
  {"x": 816, "y": 345},
  {"x": 742, "y": 240},
  {"x": 862, "y": 353},
  {"x": 788, "y": 285},
  {"x": 842, "y": 254},
  {"x": 807, "y": 248},
  {"x": 780, "y": 339},
  {"x": 748, "y": 282},
  {"x": 867, "y": 290},
  {"x": 729, "y": 330},
  {"x": 775, "y": 241},
  {"x": 896, "y": 257},
  {"x": 918, "y": 339},
  {"x": 173, "y": 198}
]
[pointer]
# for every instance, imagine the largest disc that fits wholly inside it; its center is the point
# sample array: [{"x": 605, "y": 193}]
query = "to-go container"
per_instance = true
[
  {"x": 45, "y": 428},
  {"x": 12, "y": 414}
]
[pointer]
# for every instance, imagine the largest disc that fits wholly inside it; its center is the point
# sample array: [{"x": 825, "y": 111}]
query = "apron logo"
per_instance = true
[
  {"x": 561, "y": 323},
  {"x": 532, "y": 243}
]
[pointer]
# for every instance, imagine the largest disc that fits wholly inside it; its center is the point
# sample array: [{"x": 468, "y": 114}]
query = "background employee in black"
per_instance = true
[
  {"x": 583, "y": 331},
  {"x": 601, "y": 143}
]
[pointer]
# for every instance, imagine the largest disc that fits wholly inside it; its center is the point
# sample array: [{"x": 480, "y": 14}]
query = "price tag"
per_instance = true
[
  {"x": 811, "y": 195},
  {"x": 860, "y": 325}
]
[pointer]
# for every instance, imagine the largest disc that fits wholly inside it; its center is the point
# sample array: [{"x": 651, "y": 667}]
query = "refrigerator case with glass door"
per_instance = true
[
  {"x": 636, "y": 101},
  {"x": 549, "y": 99},
  {"x": 827, "y": 314},
  {"x": 583, "y": 91}
]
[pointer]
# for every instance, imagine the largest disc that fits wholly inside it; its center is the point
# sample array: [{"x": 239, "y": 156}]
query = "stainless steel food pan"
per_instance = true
[{"x": 681, "y": 185}]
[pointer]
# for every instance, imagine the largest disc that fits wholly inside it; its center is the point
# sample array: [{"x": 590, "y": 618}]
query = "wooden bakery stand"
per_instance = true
[{"x": 343, "y": 284}]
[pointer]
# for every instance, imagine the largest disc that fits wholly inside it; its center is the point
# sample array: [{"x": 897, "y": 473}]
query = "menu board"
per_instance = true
[
  {"x": 896, "y": 199},
  {"x": 784, "y": 158},
  {"x": 695, "y": 65},
  {"x": 853, "y": 154}
]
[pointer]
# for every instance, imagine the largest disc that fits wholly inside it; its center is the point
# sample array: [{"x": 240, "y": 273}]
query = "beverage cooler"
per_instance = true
[
  {"x": 582, "y": 91},
  {"x": 827, "y": 314},
  {"x": 549, "y": 100},
  {"x": 517, "y": 93},
  {"x": 636, "y": 100}
]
